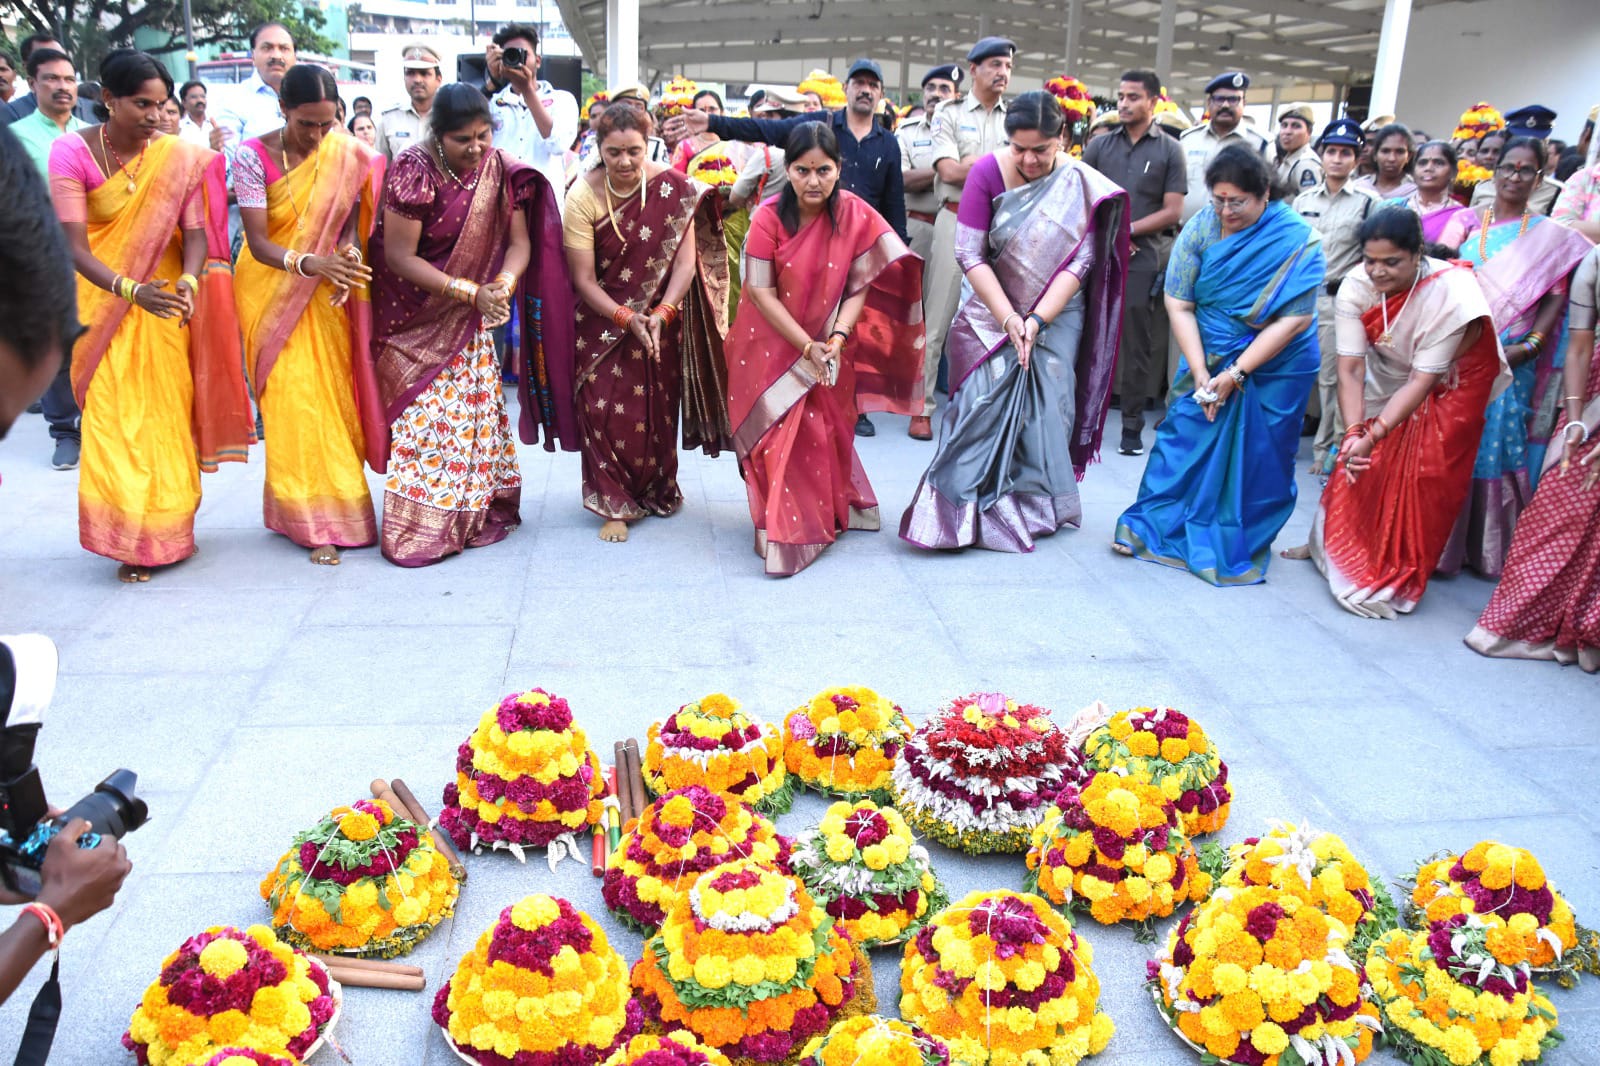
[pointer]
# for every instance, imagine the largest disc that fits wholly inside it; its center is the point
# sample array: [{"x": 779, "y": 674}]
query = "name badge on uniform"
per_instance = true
[
  {"x": 400, "y": 135},
  {"x": 922, "y": 144},
  {"x": 968, "y": 128}
]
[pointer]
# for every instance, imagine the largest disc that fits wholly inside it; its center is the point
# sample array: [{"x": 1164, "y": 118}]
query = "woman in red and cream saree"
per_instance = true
[
  {"x": 304, "y": 309},
  {"x": 158, "y": 374},
  {"x": 1418, "y": 364},
  {"x": 465, "y": 229},
  {"x": 645, "y": 248},
  {"x": 831, "y": 313}
]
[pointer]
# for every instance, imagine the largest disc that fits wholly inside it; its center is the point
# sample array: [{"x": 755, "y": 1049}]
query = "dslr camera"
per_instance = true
[
  {"x": 515, "y": 57},
  {"x": 27, "y": 681}
]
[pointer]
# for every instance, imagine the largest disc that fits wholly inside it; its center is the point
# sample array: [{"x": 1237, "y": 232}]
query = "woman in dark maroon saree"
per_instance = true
[
  {"x": 830, "y": 314},
  {"x": 645, "y": 248},
  {"x": 465, "y": 229}
]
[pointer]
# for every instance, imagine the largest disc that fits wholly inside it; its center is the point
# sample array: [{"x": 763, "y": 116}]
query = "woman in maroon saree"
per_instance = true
[
  {"x": 830, "y": 314},
  {"x": 465, "y": 229},
  {"x": 645, "y": 248}
]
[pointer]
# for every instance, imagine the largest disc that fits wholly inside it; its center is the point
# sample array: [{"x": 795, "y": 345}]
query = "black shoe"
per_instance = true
[
  {"x": 1132, "y": 444},
  {"x": 66, "y": 454},
  {"x": 865, "y": 428}
]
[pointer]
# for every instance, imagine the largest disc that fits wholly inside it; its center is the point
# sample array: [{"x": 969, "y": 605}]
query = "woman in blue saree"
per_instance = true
[{"x": 1241, "y": 295}]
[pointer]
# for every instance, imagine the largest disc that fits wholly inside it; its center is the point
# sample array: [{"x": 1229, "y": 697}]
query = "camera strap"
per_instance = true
[{"x": 43, "y": 1016}]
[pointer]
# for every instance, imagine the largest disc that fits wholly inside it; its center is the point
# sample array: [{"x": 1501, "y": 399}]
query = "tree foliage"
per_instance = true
[{"x": 91, "y": 28}]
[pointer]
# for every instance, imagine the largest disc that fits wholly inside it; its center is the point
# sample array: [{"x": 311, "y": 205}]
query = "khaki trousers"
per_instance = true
[
  {"x": 941, "y": 294},
  {"x": 1330, "y": 424}
]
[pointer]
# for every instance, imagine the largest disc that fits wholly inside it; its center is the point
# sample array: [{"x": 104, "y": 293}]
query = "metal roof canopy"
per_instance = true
[{"x": 1298, "y": 43}]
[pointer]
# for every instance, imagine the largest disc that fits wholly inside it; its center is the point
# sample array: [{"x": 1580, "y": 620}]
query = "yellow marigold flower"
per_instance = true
[
  {"x": 875, "y": 856},
  {"x": 222, "y": 958},
  {"x": 1269, "y": 1038}
]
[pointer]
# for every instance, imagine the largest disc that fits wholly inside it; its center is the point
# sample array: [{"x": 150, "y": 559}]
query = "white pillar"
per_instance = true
[
  {"x": 1391, "y": 52},
  {"x": 1164, "y": 32},
  {"x": 905, "y": 71},
  {"x": 1074, "y": 30},
  {"x": 622, "y": 42}
]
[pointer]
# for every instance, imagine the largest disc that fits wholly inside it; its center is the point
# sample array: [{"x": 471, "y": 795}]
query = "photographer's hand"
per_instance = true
[{"x": 79, "y": 883}]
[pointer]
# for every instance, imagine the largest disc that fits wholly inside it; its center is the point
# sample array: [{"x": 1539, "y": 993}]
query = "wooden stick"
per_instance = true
[
  {"x": 419, "y": 814},
  {"x": 359, "y": 978},
  {"x": 381, "y": 790},
  {"x": 619, "y": 770},
  {"x": 636, "y": 778},
  {"x": 352, "y": 962}
]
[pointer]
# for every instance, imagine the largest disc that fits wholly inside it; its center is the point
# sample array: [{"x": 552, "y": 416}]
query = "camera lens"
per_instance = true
[
  {"x": 514, "y": 57},
  {"x": 113, "y": 809}
]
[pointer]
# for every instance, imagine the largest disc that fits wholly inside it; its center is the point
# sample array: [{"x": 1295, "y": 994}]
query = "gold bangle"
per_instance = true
[
  {"x": 506, "y": 276},
  {"x": 291, "y": 261},
  {"x": 128, "y": 290},
  {"x": 190, "y": 280}
]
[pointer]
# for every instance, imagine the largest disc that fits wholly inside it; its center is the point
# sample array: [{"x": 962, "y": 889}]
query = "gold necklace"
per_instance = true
[
  {"x": 1387, "y": 336},
  {"x": 438, "y": 153},
  {"x": 133, "y": 175},
  {"x": 316, "y": 169},
  {"x": 1483, "y": 234},
  {"x": 611, "y": 212}
]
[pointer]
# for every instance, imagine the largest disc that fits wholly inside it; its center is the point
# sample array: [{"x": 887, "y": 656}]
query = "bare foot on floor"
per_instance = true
[
  {"x": 1121, "y": 549},
  {"x": 132, "y": 575},
  {"x": 327, "y": 555},
  {"x": 1302, "y": 552},
  {"x": 614, "y": 531}
]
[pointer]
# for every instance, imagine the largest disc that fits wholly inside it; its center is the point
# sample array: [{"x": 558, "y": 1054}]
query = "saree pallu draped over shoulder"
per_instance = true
[
  {"x": 1378, "y": 539},
  {"x": 1015, "y": 441},
  {"x": 309, "y": 361},
  {"x": 795, "y": 436},
  {"x": 1215, "y": 494},
  {"x": 161, "y": 401},
  {"x": 628, "y": 403}
]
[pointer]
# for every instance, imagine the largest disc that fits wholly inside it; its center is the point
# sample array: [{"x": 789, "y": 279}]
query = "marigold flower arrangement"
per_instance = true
[
  {"x": 526, "y": 777},
  {"x": 1319, "y": 868},
  {"x": 598, "y": 98},
  {"x": 1003, "y": 980},
  {"x": 677, "y": 1048},
  {"x": 844, "y": 742},
  {"x": 1459, "y": 993},
  {"x": 1468, "y": 176},
  {"x": 712, "y": 742},
  {"x": 1114, "y": 848},
  {"x": 542, "y": 987},
  {"x": 243, "y": 1056},
  {"x": 362, "y": 881},
  {"x": 679, "y": 837},
  {"x": 980, "y": 774},
  {"x": 749, "y": 963},
  {"x": 878, "y": 1041},
  {"x": 677, "y": 97},
  {"x": 1480, "y": 120},
  {"x": 1074, "y": 98},
  {"x": 714, "y": 169},
  {"x": 1258, "y": 976},
  {"x": 225, "y": 989},
  {"x": 1168, "y": 749},
  {"x": 870, "y": 874},
  {"x": 826, "y": 86},
  {"x": 1495, "y": 878}
]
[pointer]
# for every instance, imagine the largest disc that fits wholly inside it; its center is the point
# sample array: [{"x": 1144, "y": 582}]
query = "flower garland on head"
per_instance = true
[
  {"x": 362, "y": 881},
  {"x": 711, "y": 742},
  {"x": 1478, "y": 121},
  {"x": 677, "y": 97},
  {"x": 870, "y": 1039},
  {"x": 679, "y": 837},
  {"x": 542, "y": 987},
  {"x": 1114, "y": 849},
  {"x": 869, "y": 872},
  {"x": 1495, "y": 878},
  {"x": 1168, "y": 749},
  {"x": 749, "y": 963},
  {"x": 1452, "y": 994},
  {"x": 1075, "y": 100},
  {"x": 826, "y": 86},
  {"x": 1004, "y": 981},
  {"x": 243, "y": 1056},
  {"x": 844, "y": 741},
  {"x": 526, "y": 777},
  {"x": 1319, "y": 868},
  {"x": 980, "y": 774},
  {"x": 1258, "y": 976},
  {"x": 224, "y": 988},
  {"x": 678, "y": 1048}
]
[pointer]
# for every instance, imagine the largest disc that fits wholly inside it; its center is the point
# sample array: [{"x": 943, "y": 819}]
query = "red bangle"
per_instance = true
[
  {"x": 666, "y": 312},
  {"x": 623, "y": 315},
  {"x": 53, "y": 926}
]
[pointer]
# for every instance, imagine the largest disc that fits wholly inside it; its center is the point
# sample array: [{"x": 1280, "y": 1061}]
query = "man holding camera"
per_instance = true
[{"x": 533, "y": 120}]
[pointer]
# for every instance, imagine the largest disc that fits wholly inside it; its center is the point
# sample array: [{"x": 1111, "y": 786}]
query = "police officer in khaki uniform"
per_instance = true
[
  {"x": 1295, "y": 165},
  {"x": 1225, "y": 102},
  {"x": 1335, "y": 206},
  {"x": 964, "y": 131},
  {"x": 401, "y": 127}
]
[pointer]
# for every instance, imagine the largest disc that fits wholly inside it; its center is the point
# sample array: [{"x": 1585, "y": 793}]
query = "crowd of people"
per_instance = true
[{"x": 678, "y": 276}]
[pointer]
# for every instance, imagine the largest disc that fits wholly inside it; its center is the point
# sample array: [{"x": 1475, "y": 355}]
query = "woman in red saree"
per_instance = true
[
  {"x": 831, "y": 313},
  {"x": 461, "y": 223},
  {"x": 1418, "y": 364},
  {"x": 307, "y": 194},
  {"x": 645, "y": 248},
  {"x": 158, "y": 374},
  {"x": 1547, "y": 605}
]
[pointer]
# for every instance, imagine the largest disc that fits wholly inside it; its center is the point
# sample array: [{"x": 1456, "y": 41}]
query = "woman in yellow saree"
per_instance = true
[
  {"x": 306, "y": 195},
  {"x": 158, "y": 372}
]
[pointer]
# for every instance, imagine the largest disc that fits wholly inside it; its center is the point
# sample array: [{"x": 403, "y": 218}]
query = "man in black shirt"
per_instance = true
[
  {"x": 870, "y": 154},
  {"x": 1151, "y": 168}
]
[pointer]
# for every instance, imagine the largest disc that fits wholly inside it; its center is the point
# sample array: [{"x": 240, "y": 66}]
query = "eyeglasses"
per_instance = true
[
  {"x": 1227, "y": 101},
  {"x": 1508, "y": 170},
  {"x": 1234, "y": 206}
]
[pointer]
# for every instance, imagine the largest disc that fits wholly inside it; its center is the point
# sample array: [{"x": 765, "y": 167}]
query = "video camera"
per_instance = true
[{"x": 27, "y": 681}]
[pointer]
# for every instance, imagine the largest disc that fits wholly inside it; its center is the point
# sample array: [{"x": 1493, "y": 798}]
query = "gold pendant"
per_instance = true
[
  {"x": 132, "y": 186},
  {"x": 1385, "y": 338}
]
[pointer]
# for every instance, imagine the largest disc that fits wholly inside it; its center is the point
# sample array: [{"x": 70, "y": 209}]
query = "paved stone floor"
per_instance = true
[{"x": 252, "y": 691}]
